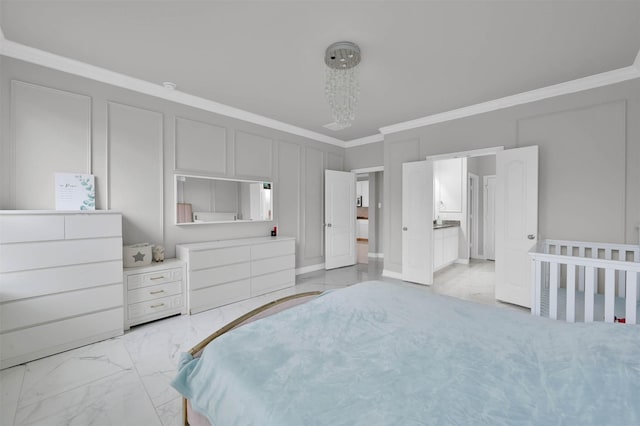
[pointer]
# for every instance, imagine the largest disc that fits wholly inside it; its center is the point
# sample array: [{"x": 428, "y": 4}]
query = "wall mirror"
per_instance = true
[{"x": 201, "y": 200}]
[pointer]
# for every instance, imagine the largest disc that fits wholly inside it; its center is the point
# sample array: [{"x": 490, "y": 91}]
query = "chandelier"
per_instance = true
[{"x": 341, "y": 86}]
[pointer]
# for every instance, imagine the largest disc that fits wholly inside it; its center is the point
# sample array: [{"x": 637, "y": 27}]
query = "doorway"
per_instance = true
[
  {"x": 369, "y": 194},
  {"x": 461, "y": 201}
]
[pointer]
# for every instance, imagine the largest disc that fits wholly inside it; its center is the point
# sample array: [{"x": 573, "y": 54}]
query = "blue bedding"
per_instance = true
[{"x": 395, "y": 354}]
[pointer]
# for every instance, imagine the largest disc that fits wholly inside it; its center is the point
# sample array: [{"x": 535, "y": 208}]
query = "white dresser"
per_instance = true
[
  {"x": 154, "y": 291},
  {"x": 60, "y": 281},
  {"x": 223, "y": 272}
]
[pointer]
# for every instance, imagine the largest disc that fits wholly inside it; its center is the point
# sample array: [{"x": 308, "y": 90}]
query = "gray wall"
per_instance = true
[
  {"x": 134, "y": 143},
  {"x": 363, "y": 156},
  {"x": 589, "y": 162},
  {"x": 481, "y": 166}
]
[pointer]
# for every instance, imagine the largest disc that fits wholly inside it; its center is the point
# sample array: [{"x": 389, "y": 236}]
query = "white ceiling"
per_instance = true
[{"x": 266, "y": 57}]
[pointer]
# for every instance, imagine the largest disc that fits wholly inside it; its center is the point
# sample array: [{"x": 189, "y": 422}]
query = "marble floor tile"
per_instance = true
[
  {"x": 119, "y": 399},
  {"x": 49, "y": 376},
  {"x": 171, "y": 412},
  {"x": 10, "y": 386}
]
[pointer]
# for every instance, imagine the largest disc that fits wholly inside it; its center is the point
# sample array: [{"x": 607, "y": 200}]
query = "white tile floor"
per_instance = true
[{"x": 125, "y": 380}]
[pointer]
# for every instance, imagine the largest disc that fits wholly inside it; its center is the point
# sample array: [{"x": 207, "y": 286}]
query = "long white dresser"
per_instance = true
[
  {"x": 60, "y": 282},
  {"x": 223, "y": 272}
]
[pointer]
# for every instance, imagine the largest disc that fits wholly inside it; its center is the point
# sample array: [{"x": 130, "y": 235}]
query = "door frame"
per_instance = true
[
  {"x": 485, "y": 216},
  {"x": 472, "y": 153},
  {"x": 473, "y": 192}
]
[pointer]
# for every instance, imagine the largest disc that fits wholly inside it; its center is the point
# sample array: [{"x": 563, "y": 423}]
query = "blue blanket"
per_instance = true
[{"x": 395, "y": 354}]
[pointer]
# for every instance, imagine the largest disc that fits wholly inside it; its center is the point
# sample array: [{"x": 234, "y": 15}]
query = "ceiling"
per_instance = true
[{"x": 267, "y": 57}]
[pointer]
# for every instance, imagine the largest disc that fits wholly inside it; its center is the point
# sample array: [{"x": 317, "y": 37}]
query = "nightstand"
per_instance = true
[{"x": 154, "y": 291}]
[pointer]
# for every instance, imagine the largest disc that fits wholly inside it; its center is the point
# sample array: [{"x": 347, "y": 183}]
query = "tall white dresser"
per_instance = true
[
  {"x": 223, "y": 272},
  {"x": 60, "y": 281}
]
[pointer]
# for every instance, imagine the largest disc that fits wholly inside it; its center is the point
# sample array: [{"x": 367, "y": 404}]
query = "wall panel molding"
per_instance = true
[
  {"x": 208, "y": 143},
  {"x": 48, "y": 141},
  {"x": 314, "y": 204},
  {"x": 253, "y": 156},
  {"x": 134, "y": 188}
]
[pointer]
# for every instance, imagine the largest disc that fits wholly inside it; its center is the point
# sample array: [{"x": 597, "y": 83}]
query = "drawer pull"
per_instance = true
[
  {"x": 157, "y": 306},
  {"x": 157, "y": 278},
  {"x": 156, "y": 292}
]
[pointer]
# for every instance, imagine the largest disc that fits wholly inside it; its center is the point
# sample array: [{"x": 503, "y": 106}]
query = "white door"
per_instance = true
[
  {"x": 489, "y": 207},
  {"x": 340, "y": 219},
  {"x": 516, "y": 222},
  {"x": 417, "y": 222}
]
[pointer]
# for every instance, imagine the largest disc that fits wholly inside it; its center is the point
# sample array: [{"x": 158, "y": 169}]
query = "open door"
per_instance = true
[
  {"x": 340, "y": 219},
  {"x": 417, "y": 222},
  {"x": 516, "y": 222}
]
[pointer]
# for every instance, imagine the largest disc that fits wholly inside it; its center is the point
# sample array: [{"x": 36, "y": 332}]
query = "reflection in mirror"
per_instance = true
[{"x": 207, "y": 200}]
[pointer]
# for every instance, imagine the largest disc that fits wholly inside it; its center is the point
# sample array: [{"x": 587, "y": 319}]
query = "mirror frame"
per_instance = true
[{"x": 175, "y": 200}]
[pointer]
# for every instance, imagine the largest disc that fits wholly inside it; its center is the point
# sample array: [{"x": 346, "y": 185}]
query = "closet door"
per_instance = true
[{"x": 417, "y": 227}]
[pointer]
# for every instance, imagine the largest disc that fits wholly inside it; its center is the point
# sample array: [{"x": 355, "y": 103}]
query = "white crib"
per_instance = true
[{"x": 584, "y": 281}]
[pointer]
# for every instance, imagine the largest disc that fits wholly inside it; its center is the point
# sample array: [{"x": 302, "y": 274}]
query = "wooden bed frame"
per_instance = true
[{"x": 260, "y": 312}]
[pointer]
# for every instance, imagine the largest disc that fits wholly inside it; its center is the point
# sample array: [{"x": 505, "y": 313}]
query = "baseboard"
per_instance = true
[
  {"x": 479, "y": 257},
  {"x": 391, "y": 274},
  {"x": 462, "y": 261},
  {"x": 310, "y": 268},
  {"x": 378, "y": 255}
]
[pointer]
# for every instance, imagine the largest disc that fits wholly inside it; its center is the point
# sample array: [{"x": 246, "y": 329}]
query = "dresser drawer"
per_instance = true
[
  {"x": 153, "y": 278},
  {"x": 280, "y": 248},
  {"x": 156, "y": 306},
  {"x": 270, "y": 282},
  {"x": 92, "y": 226},
  {"x": 55, "y": 307},
  {"x": 21, "y": 229},
  {"x": 214, "y": 276},
  {"x": 48, "y": 254},
  {"x": 274, "y": 264},
  {"x": 218, "y": 257},
  {"x": 219, "y": 295},
  {"x": 154, "y": 292}
]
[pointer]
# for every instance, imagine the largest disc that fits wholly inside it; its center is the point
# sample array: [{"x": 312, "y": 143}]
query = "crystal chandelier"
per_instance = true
[{"x": 341, "y": 87}]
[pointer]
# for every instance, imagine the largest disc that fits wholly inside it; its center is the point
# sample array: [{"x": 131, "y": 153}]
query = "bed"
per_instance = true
[{"x": 379, "y": 353}]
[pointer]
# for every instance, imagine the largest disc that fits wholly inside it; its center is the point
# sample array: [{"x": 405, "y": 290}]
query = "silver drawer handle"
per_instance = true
[
  {"x": 157, "y": 306},
  {"x": 531, "y": 236},
  {"x": 157, "y": 278},
  {"x": 156, "y": 292}
]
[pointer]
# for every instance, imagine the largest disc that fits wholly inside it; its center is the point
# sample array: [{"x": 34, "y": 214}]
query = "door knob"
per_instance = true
[
  {"x": 404, "y": 228},
  {"x": 328, "y": 225},
  {"x": 531, "y": 236}
]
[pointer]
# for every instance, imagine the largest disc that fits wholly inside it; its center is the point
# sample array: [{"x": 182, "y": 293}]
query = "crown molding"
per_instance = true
[
  {"x": 573, "y": 86},
  {"x": 61, "y": 63},
  {"x": 40, "y": 57},
  {"x": 378, "y": 137}
]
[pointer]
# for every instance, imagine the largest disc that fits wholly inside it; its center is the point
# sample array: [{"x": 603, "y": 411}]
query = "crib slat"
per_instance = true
[
  {"x": 636, "y": 258},
  {"x": 622, "y": 256},
  {"x": 594, "y": 255},
  {"x": 571, "y": 293},
  {"x": 581, "y": 270},
  {"x": 553, "y": 290},
  {"x": 536, "y": 287},
  {"x": 609, "y": 293},
  {"x": 633, "y": 279},
  {"x": 589, "y": 272}
]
